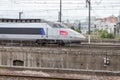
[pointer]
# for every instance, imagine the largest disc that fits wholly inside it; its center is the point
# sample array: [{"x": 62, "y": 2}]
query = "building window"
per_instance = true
[{"x": 18, "y": 63}]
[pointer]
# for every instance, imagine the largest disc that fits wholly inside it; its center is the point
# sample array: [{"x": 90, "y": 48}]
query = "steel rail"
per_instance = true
[{"x": 72, "y": 46}]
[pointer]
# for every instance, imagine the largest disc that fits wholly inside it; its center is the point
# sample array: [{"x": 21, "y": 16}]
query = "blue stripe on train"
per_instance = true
[{"x": 42, "y": 32}]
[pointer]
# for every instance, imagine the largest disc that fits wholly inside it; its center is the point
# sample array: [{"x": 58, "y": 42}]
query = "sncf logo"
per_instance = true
[{"x": 64, "y": 33}]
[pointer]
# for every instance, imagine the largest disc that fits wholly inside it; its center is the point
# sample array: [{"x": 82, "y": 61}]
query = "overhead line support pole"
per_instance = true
[
  {"x": 20, "y": 14},
  {"x": 60, "y": 13},
  {"x": 89, "y": 23}
]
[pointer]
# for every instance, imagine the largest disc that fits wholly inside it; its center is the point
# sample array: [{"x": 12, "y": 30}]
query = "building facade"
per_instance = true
[
  {"x": 85, "y": 28},
  {"x": 108, "y": 24}
]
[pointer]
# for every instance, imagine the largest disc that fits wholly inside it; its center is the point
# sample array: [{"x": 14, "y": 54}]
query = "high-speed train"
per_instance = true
[{"x": 42, "y": 33}]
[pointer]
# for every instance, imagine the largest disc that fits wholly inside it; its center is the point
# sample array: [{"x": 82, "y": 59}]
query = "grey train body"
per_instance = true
[{"x": 42, "y": 33}]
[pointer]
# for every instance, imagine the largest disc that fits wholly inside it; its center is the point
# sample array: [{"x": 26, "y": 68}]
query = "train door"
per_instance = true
[
  {"x": 45, "y": 31},
  {"x": 53, "y": 33}
]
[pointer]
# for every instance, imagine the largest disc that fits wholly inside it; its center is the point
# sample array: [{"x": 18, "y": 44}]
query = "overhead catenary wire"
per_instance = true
[
  {"x": 53, "y": 5},
  {"x": 71, "y": 3}
]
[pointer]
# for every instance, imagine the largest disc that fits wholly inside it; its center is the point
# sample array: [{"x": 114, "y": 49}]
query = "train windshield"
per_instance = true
[{"x": 59, "y": 25}]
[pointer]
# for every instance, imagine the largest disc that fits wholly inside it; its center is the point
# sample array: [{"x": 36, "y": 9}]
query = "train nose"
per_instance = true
[
  {"x": 83, "y": 37},
  {"x": 80, "y": 36},
  {"x": 77, "y": 35}
]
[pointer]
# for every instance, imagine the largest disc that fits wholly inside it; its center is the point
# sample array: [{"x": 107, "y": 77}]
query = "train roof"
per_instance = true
[
  {"x": 52, "y": 24},
  {"x": 11, "y": 20}
]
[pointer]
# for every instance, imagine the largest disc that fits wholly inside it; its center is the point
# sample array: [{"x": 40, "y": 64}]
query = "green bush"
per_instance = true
[
  {"x": 105, "y": 34},
  {"x": 78, "y": 30},
  {"x": 111, "y": 36}
]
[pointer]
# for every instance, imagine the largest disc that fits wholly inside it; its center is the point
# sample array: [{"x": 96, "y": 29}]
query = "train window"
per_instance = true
[
  {"x": 30, "y": 21},
  {"x": 21, "y": 20},
  {"x": 2, "y": 20},
  {"x": 25, "y": 20},
  {"x": 59, "y": 26},
  {"x": 7, "y": 20},
  {"x": 35, "y": 20},
  {"x": 11, "y": 20},
  {"x": 56, "y": 26},
  {"x": 39, "y": 20},
  {"x": 18, "y": 63},
  {"x": 16, "y": 20}
]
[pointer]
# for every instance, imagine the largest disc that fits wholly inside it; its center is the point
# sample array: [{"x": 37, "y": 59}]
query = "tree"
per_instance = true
[
  {"x": 72, "y": 28},
  {"x": 78, "y": 30}
]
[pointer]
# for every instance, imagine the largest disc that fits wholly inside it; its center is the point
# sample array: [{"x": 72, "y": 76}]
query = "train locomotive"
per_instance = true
[{"x": 42, "y": 33}]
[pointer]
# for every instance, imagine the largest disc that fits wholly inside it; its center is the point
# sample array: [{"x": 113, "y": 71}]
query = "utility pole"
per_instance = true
[
  {"x": 88, "y": 3},
  {"x": 20, "y": 14},
  {"x": 60, "y": 13},
  {"x": 79, "y": 25}
]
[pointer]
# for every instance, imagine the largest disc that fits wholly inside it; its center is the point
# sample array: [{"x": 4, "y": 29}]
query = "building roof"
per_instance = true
[{"x": 111, "y": 19}]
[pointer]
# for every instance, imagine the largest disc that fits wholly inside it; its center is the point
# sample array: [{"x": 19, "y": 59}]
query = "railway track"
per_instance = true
[
  {"x": 28, "y": 77},
  {"x": 72, "y": 46},
  {"x": 19, "y": 73}
]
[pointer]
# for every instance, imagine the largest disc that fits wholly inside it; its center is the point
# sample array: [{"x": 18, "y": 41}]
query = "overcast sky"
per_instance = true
[{"x": 48, "y": 9}]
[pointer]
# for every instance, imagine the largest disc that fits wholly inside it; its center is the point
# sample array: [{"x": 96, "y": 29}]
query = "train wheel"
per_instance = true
[
  {"x": 40, "y": 42},
  {"x": 61, "y": 43}
]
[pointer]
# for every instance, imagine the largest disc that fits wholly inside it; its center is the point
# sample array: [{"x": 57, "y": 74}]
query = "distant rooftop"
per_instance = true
[{"x": 111, "y": 19}]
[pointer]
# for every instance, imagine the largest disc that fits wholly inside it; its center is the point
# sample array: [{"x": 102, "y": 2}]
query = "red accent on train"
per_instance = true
[{"x": 64, "y": 33}]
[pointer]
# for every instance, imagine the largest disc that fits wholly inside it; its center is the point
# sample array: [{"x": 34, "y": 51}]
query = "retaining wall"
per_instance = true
[{"x": 83, "y": 59}]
